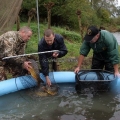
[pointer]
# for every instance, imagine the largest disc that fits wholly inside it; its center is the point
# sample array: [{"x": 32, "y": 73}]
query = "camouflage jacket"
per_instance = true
[{"x": 11, "y": 44}]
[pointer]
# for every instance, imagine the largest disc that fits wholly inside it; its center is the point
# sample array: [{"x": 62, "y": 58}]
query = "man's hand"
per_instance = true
[
  {"x": 26, "y": 65},
  {"x": 77, "y": 69},
  {"x": 117, "y": 74},
  {"x": 116, "y": 70},
  {"x": 48, "y": 82},
  {"x": 55, "y": 54}
]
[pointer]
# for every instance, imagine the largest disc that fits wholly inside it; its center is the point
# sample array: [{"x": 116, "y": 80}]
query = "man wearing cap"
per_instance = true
[{"x": 105, "y": 50}]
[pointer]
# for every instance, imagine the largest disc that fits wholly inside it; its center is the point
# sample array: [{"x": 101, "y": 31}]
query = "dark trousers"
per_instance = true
[
  {"x": 102, "y": 64},
  {"x": 54, "y": 65}
]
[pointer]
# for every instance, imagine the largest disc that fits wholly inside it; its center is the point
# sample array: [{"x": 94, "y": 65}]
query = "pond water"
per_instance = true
[
  {"x": 117, "y": 35},
  {"x": 67, "y": 105}
]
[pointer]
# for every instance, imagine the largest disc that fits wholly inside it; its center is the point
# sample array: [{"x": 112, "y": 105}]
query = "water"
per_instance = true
[
  {"x": 67, "y": 105},
  {"x": 117, "y": 35}
]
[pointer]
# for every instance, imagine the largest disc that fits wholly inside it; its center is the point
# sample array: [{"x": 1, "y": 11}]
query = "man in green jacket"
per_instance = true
[{"x": 105, "y": 50}]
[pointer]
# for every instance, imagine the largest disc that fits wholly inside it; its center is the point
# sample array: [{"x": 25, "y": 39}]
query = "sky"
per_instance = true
[{"x": 118, "y": 3}]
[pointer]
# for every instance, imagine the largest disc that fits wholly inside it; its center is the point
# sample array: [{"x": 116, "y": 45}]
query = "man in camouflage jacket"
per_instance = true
[{"x": 13, "y": 43}]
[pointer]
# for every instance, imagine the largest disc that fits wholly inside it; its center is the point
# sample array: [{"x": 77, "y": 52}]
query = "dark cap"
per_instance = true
[{"x": 91, "y": 32}]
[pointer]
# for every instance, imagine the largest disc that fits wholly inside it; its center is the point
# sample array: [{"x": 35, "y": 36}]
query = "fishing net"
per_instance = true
[
  {"x": 9, "y": 10},
  {"x": 29, "y": 84},
  {"x": 94, "y": 80},
  {"x": 28, "y": 81}
]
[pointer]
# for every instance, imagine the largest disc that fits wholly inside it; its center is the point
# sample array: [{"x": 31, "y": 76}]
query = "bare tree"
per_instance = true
[
  {"x": 49, "y": 6},
  {"x": 79, "y": 21},
  {"x": 31, "y": 14}
]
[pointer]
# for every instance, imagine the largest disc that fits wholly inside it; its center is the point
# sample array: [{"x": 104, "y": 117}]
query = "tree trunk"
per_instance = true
[
  {"x": 18, "y": 23},
  {"x": 49, "y": 18}
]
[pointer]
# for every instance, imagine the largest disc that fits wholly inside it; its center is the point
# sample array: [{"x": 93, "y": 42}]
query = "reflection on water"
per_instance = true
[
  {"x": 67, "y": 105},
  {"x": 117, "y": 35}
]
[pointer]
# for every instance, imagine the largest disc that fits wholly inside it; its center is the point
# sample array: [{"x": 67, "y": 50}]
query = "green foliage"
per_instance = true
[
  {"x": 63, "y": 12},
  {"x": 68, "y": 12},
  {"x": 71, "y": 36},
  {"x": 28, "y": 4},
  {"x": 104, "y": 15},
  {"x": 118, "y": 20}
]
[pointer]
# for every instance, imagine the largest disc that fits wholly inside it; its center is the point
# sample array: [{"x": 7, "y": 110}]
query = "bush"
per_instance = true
[{"x": 72, "y": 36}]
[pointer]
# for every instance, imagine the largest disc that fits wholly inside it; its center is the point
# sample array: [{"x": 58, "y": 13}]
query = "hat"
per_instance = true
[{"x": 91, "y": 32}]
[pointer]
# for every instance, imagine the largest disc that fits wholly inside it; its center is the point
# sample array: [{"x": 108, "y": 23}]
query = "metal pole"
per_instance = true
[
  {"x": 38, "y": 20},
  {"x": 29, "y": 54}
]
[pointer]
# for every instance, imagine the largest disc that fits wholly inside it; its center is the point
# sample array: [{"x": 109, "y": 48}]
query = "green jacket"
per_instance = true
[{"x": 106, "y": 48}]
